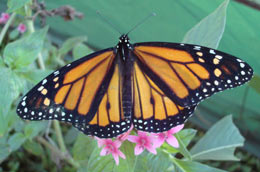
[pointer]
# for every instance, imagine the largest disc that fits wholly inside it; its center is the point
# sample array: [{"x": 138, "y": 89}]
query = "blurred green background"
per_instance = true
[{"x": 174, "y": 18}]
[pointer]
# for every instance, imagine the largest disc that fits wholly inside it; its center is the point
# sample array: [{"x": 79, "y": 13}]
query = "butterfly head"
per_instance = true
[{"x": 123, "y": 41}]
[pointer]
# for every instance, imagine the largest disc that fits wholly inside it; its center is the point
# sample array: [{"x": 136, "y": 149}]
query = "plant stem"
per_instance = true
[
  {"x": 6, "y": 26},
  {"x": 56, "y": 124},
  {"x": 31, "y": 29},
  {"x": 59, "y": 136},
  {"x": 61, "y": 155}
]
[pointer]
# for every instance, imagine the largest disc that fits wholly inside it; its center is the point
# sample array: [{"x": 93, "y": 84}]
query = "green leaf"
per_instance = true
[
  {"x": 158, "y": 162},
  {"x": 34, "y": 148},
  {"x": 10, "y": 88},
  {"x": 7, "y": 122},
  {"x": 81, "y": 50},
  {"x": 99, "y": 163},
  {"x": 71, "y": 136},
  {"x": 209, "y": 30},
  {"x": 3, "y": 125},
  {"x": 83, "y": 148},
  {"x": 16, "y": 140},
  {"x": 182, "y": 148},
  {"x": 255, "y": 83},
  {"x": 24, "y": 51},
  {"x": 190, "y": 166},
  {"x": 184, "y": 136},
  {"x": 4, "y": 151},
  {"x": 35, "y": 75},
  {"x": 127, "y": 164},
  {"x": 219, "y": 142},
  {"x": 70, "y": 43},
  {"x": 33, "y": 128},
  {"x": 14, "y": 4}
]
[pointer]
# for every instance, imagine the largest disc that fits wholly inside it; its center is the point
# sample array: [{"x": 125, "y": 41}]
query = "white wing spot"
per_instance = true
[
  {"x": 23, "y": 103},
  {"x": 40, "y": 88},
  {"x": 56, "y": 73},
  {"x": 212, "y": 51},
  {"x": 197, "y": 47},
  {"x": 219, "y": 57},
  {"x": 51, "y": 110},
  {"x": 44, "y": 81}
]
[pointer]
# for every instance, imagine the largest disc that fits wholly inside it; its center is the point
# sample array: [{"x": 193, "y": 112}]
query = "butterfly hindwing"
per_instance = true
[
  {"x": 153, "y": 110},
  {"x": 190, "y": 73},
  {"x": 109, "y": 120}
]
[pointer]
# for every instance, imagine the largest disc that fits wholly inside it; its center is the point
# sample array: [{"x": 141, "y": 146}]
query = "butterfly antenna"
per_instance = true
[
  {"x": 141, "y": 22},
  {"x": 108, "y": 22}
]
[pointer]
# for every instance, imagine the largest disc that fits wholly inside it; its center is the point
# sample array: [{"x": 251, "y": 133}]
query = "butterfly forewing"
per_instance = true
[
  {"x": 189, "y": 73},
  {"x": 72, "y": 93}
]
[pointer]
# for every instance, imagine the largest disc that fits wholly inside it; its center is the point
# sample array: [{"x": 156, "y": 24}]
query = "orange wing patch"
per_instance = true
[
  {"x": 176, "y": 68},
  {"x": 149, "y": 100},
  {"x": 85, "y": 67},
  {"x": 109, "y": 109},
  {"x": 166, "y": 53},
  {"x": 82, "y": 83},
  {"x": 153, "y": 110}
]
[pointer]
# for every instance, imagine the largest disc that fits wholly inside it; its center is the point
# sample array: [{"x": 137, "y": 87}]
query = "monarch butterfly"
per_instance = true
[{"x": 152, "y": 85}]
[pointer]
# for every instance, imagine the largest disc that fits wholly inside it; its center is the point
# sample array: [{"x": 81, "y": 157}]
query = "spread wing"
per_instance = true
[
  {"x": 83, "y": 93},
  {"x": 187, "y": 74}
]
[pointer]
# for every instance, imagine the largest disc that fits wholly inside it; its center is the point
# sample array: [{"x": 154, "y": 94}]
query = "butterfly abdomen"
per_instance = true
[{"x": 127, "y": 93}]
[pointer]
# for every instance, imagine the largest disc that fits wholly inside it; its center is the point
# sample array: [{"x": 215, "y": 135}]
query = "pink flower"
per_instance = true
[
  {"x": 125, "y": 135},
  {"x": 4, "y": 17},
  {"x": 143, "y": 141},
  {"x": 110, "y": 147},
  {"x": 168, "y": 137},
  {"x": 21, "y": 28}
]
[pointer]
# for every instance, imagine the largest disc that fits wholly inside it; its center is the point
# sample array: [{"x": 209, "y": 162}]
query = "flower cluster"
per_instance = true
[
  {"x": 143, "y": 141},
  {"x": 5, "y": 17}
]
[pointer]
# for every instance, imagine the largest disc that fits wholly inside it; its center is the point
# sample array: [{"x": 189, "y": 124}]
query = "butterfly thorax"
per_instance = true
[{"x": 124, "y": 50}]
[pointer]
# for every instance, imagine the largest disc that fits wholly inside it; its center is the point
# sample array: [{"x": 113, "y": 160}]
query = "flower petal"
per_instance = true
[
  {"x": 121, "y": 154},
  {"x": 142, "y": 134},
  {"x": 103, "y": 152},
  {"x": 138, "y": 149},
  {"x": 116, "y": 158},
  {"x": 117, "y": 143},
  {"x": 176, "y": 129},
  {"x": 157, "y": 142},
  {"x": 132, "y": 138},
  {"x": 101, "y": 142},
  {"x": 171, "y": 140},
  {"x": 151, "y": 149}
]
